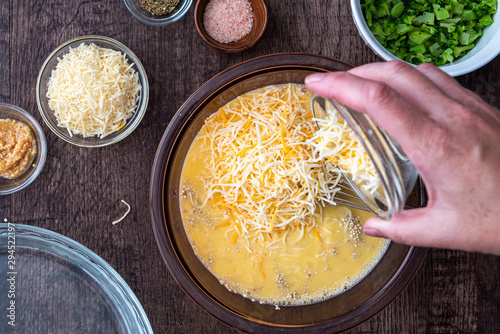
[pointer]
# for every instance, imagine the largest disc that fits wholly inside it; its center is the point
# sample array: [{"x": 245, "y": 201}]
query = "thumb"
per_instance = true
[{"x": 417, "y": 227}]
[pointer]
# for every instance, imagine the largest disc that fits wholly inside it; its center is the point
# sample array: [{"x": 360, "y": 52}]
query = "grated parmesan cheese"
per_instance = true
[{"x": 93, "y": 91}]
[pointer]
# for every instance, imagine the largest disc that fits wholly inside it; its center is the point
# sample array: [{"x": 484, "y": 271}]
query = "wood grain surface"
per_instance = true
[{"x": 79, "y": 191}]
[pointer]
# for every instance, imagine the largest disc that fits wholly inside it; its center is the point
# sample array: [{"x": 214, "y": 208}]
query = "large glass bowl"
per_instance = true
[
  {"x": 369, "y": 296},
  {"x": 59, "y": 286},
  {"x": 8, "y": 186},
  {"x": 48, "y": 115}
]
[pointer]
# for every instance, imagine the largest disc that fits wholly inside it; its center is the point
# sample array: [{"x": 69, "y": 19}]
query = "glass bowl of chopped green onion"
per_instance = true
[
  {"x": 459, "y": 36},
  {"x": 92, "y": 91},
  {"x": 158, "y": 12}
]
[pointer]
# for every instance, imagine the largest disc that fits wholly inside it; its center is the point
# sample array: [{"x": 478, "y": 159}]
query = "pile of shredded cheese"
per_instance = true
[
  {"x": 262, "y": 170},
  {"x": 269, "y": 164},
  {"x": 93, "y": 91}
]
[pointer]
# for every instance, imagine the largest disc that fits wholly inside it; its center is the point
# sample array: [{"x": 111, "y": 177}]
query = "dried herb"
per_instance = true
[{"x": 159, "y": 7}]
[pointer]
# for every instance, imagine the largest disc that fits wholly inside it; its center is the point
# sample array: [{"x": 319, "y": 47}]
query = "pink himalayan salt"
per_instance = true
[{"x": 228, "y": 20}]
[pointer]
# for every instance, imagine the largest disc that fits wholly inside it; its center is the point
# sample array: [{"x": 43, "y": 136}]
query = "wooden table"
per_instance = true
[{"x": 79, "y": 191}]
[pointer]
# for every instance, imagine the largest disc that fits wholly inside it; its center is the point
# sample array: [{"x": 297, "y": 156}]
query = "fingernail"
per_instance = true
[
  {"x": 314, "y": 77},
  {"x": 373, "y": 232}
]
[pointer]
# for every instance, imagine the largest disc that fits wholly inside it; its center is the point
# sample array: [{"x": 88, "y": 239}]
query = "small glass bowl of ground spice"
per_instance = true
[
  {"x": 230, "y": 25},
  {"x": 158, "y": 12},
  {"x": 23, "y": 149}
]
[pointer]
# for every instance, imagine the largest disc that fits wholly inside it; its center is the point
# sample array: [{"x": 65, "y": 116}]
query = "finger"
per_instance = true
[
  {"x": 383, "y": 104},
  {"x": 419, "y": 227},
  {"x": 451, "y": 87},
  {"x": 414, "y": 86}
]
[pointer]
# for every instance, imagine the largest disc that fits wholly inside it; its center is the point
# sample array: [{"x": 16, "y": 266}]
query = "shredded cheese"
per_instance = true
[
  {"x": 269, "y": 165},
  {"x": 124, "y": 215},
  {"x": 264, "y": 172},
  {"x": 93, "y": 91},
  {"x": 336, "y": 143}
]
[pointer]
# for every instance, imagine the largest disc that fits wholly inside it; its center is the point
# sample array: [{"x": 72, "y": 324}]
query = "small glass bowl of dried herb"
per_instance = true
[{"x": 158, "y": 12}]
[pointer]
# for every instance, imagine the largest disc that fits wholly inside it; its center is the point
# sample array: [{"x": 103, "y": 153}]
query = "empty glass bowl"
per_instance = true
[
  {"x": 8, "y": 186},
  {"x": 63, "y": 287},
  {"x": 48, "y": 115}
]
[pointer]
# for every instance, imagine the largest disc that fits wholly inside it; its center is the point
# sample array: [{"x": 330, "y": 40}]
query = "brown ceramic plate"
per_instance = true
[
  {"x": 356, "y": 305},
  {"x": 259, "y": 9}
]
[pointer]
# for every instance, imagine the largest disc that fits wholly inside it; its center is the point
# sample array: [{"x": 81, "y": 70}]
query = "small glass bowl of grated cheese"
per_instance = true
[
  {"x": 378, "y": 171},
  {"x": 92, "y": 91}
]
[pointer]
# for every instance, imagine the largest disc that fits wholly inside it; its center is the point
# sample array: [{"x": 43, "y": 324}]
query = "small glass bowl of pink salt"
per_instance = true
[{"x": 230, "y": 25}]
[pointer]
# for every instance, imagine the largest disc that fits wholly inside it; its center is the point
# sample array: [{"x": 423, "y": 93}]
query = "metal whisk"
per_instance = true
[{"x": 348, "y": 197}]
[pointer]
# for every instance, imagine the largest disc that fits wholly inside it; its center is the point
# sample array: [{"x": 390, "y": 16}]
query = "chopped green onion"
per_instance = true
[
  {"x": 398, "y": 9},
  {"x": 441, "y": 13},
  {"x": 437, "y": 31},
  {"x": 419, "y": 37}
]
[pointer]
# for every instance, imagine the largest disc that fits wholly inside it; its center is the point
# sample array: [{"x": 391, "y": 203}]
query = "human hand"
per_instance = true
[{"x": 450, "y": 135}]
